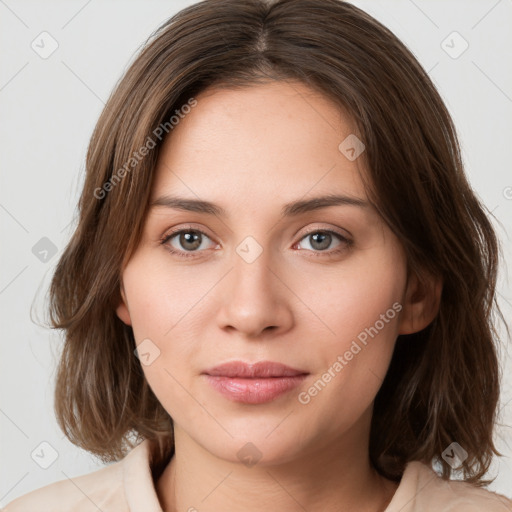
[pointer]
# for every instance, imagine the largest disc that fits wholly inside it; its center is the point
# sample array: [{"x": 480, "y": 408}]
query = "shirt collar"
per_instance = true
[{"x": 139, "y": 487}]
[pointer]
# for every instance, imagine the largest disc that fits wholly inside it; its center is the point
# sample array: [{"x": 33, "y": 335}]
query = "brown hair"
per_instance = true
[{"x": 443, "y": 382}]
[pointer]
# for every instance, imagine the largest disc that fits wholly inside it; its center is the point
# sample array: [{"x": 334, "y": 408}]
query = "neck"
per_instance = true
[{"x": 327, "y": 477}]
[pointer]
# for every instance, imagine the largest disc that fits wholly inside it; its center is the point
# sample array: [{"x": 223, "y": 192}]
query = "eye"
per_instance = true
[
  {"x": 320, "y": 240},
  {"x": 188, "y": 240}
]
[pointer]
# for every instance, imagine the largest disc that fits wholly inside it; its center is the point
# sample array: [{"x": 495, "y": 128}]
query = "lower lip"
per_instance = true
[{"x": 254, "y": 390}]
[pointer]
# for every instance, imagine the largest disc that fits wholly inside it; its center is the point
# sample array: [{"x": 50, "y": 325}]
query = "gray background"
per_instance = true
[{"x": 48, "y": 110}]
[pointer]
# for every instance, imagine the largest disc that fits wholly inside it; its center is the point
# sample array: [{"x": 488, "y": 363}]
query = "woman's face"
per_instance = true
[{"x": 276, "y": 277}]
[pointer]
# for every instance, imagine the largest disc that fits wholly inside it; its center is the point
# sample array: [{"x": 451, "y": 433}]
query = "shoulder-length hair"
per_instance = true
[{"x": 443, "y": 382}]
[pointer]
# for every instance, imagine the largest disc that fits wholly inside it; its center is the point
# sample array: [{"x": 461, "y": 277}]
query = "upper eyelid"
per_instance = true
[
  {"x": 330, "y": 230},
  {"x": 191, "y": 227}
]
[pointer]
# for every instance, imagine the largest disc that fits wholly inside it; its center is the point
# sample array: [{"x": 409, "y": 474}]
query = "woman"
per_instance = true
[{"x": 280, "y": 289}]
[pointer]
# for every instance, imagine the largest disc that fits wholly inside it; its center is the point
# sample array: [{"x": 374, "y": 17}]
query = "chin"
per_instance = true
[
  {"x": 255, "y": 449},
  {"x": 263, "y": 439}
]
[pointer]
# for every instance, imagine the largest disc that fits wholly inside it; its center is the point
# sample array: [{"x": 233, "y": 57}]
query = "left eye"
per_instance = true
[{"x": 321, "y": 240}]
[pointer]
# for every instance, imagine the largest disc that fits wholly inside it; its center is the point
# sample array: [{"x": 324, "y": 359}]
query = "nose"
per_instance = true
[{"x": 255, "y": 299}]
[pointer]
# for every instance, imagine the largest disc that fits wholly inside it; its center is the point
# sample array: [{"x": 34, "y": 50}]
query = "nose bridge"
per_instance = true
[
  {"x": 252, "y": 277},
  {"x": 254, "y": 297}
]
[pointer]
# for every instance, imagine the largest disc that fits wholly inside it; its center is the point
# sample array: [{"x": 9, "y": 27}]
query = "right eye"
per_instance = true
[{"x": 190, "y": 240}]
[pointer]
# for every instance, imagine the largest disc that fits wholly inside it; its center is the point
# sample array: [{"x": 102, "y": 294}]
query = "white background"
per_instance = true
[{"x": 49, "y": 108}]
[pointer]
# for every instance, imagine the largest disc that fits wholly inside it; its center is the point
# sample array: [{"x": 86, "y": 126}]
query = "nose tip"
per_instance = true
[{"x": 254, "y": 300}]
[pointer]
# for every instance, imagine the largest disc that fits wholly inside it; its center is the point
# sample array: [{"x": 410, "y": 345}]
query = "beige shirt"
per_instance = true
[{"x": 127, "y": 486}]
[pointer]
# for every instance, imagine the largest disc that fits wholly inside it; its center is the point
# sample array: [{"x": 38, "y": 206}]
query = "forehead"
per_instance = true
[{"x": 252, "y": 145}]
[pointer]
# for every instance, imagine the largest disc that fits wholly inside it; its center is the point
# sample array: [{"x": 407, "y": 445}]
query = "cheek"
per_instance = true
[
  {"x": 161, "y": 304},
  {"x": 162, "y": 299},
  {"x": 359, "y": 297},
  {"x": 170, "y": 306},
  {"x": 361, "y": 307}
]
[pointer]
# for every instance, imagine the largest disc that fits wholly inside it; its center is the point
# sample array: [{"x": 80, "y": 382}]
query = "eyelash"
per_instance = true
[{"x": 346, "y": 243}]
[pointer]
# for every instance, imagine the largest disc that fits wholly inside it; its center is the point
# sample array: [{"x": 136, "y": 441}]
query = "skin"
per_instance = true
[{"x": 251, "y": 151}]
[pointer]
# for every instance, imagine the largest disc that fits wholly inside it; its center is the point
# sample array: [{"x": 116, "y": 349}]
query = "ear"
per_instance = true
[
  {"x": 421, "y": 304},
  {"x": 122, "y": 309}
]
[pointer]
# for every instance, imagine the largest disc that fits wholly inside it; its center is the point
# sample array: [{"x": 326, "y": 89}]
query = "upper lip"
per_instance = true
[{"x": 261, "y": 369}]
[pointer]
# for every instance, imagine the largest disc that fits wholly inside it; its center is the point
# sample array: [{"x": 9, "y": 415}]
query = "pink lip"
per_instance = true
[{"x": 253, "y": 383}]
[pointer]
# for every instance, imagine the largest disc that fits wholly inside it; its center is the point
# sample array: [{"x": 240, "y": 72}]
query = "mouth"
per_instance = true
[
  {"x": 258, "y": 370},
  {"x": 254, "y": 383}
]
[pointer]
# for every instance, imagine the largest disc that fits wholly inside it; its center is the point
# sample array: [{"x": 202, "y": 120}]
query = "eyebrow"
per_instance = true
[{"x": 289, "y": 209}]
